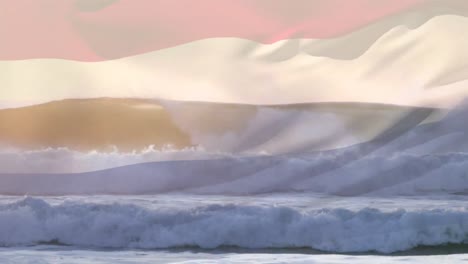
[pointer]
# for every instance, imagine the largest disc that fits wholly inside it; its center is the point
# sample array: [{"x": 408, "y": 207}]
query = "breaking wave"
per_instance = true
[
  {"x": 64, "y": 160},
  {"x": 32, "y": 221},
  {"x": 134, "y": 124}
]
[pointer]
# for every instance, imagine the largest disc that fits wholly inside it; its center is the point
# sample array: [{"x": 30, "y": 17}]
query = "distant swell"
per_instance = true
[
  {"x": 341, "y": 174},
  {"x": 215, "y": 127},
  {"x": 31, "y": 221}
]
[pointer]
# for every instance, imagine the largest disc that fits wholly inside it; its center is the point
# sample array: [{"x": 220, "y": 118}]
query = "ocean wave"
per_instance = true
[
  {"x": 65, "y": 160},
  {"x": 411, "y": 157},
  {"x": 33, "y": 221},
  {"x": 341, "y": 174},
  {"x": 215, "y": 127}
]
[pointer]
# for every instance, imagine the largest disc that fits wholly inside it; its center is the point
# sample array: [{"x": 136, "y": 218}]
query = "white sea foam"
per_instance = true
[
  {"x": 54, "y": 255},
  {"x": 31, "y": 221},
  {"x": 64, "y": 160}
]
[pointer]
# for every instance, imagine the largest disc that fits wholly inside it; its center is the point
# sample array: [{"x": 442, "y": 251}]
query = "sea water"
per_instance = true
[{"x": 270, "y": 228}]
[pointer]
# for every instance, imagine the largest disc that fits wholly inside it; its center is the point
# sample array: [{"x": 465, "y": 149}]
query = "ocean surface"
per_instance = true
[
  {"x": 262, "y": 194},
  {"x": 269, "y": 228}
]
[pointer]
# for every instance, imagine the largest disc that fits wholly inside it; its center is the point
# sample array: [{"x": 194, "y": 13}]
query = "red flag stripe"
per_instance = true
[{"x": 95, "y": 30}]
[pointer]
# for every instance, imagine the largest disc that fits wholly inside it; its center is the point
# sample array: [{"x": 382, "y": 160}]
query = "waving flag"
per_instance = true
[{"x": 244, "y": 97}]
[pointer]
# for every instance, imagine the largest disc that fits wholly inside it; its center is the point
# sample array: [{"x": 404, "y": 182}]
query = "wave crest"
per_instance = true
[{"x": 31, "y": 221}]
